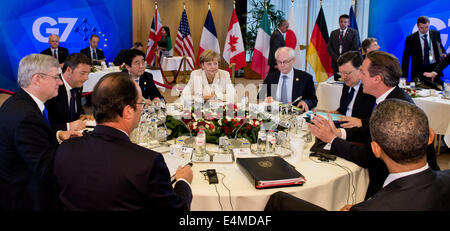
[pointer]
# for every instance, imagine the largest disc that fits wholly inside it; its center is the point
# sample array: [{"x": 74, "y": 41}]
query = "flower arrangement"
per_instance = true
[
  {"x": 215, "y": 125},
  {"x": 411, "y": 92}
]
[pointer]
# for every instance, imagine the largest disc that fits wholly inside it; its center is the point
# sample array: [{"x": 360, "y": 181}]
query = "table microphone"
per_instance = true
[{"x": 298, "y": 99}]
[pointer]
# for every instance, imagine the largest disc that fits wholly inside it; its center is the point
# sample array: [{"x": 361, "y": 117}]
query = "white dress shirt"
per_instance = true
[
  {"x": 430, "y": 45},
  {"x": 350, "y": 105},
  {"x": 394, "y": 176}
]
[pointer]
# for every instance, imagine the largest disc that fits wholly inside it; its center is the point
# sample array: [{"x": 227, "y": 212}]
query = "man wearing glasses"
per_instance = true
[
  {"x": 287, "y": 84},
  {"x": 27, "y": 143},
  {"x": 355, "y": 105},
  {"x": 64, "y": 110}
]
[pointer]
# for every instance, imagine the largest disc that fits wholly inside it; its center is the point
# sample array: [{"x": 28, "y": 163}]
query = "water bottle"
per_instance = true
[
  {"x": 200, "y": 144},
  {"x": 446, "y": 88},
  {"x": 271, "y": 142},
  {"x": 261, "y": 143}
]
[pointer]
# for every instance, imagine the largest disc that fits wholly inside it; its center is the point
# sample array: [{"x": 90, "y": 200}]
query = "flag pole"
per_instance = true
[
  {"x": 356, "y": 2},
  {"x": 307, "y": 33}
]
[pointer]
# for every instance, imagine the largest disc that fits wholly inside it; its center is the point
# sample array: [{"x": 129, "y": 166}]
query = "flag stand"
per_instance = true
[
  {"x": 156, "y": 58},
  {"x": 185, "y": 79},
  {"x": 233, "y": 67}
]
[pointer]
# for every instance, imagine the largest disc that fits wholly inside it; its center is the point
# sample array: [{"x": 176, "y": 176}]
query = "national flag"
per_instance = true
[
  {"x": 233, "y": 51},
  {"x": 353, "y": 23},
  {"x": 317, "y": 54},
  {"x": 183, "y": 43},
  {"x": 209, "y": 40},
  {"x": 153, "y": 37},
  {"x": 262, "y": 45},
  {"x": 291, "y": 38}
]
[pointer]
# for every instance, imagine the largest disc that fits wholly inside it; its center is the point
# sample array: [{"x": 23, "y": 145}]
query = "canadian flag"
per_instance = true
[
  {"x": 233, "y": 51},
  {"x": 209, "y": 40},
  {"x": 291, "y": 38}
]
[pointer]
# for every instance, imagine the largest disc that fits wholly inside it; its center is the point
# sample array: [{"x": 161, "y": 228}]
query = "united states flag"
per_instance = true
[
  {"x": 183, "y": 44},
  {"x": 153, "y": 37}
]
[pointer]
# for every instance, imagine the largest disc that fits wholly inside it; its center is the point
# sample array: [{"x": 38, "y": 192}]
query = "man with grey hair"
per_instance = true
[
  {"x": 380, "y": 74},
  {"x": 400, "y": 136},
  {"x": 28, "y": 144},
  {"x": 288, "y": 84},
  {"x": 59, "y": 53}
]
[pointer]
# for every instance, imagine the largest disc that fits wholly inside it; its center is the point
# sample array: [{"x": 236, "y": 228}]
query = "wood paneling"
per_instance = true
[{"x": 170, "y": 13}]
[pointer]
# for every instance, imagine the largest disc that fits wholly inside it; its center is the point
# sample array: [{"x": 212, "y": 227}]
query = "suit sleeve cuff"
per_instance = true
[{"x": 181, "y": 179}]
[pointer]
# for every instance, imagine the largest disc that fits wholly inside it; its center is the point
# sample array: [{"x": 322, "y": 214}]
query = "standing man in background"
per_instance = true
[
  {"x": 424, "y": 49},
  {"x": 277, "y": 41},
  {"x": 342, "y": 40}
]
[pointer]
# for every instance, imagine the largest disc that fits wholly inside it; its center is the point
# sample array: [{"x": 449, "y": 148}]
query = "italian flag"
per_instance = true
[
  {"x": 262, "y": 45},
  {"x": 317, "y": 54}
]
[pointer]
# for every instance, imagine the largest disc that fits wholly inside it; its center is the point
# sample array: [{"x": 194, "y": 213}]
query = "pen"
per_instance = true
[{"x": 173, "y": 181}]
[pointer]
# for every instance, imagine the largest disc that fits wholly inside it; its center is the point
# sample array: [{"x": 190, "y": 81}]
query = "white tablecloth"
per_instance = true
[
  {"x": 94, "y": 77},
  {"x": 173, "y": 63},
  {"x": 327, "y": 185},
  {"x": 436, "y": 108}
]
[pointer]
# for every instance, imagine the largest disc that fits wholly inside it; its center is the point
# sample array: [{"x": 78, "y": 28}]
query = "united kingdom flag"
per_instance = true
[{"x": 153, "y": 37}]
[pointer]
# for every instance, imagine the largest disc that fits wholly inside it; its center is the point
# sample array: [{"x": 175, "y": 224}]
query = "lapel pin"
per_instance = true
[{"x": 296, "y": 79}]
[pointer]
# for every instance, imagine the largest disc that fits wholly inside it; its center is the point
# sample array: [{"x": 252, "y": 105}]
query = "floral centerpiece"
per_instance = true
[
  {"x": 216, "y": 124},
  {"x": 411, "y": 92}
]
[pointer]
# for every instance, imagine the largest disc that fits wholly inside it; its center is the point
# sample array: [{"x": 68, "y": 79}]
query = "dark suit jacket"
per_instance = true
[
  {"x": 105, "y": 171},
  {"x": 100, "y": 54},
  {"x": 413, "y": 52},
  {"x": 363, "y": 105},
  {"x": 27, "y": 150},
  {"x": 62, "y": 53},
  {"x": 350, "y": 43},
  {"x": 363, "y": 155},
  {"x": 423, "y": 191},
  {"x": 442, "y": 65},
  {"x": 148, "y": 87},
  {"x": 276, "y": 41},
  {"x": 59, "y": 111},
  {"x": 303, "y": 86}
]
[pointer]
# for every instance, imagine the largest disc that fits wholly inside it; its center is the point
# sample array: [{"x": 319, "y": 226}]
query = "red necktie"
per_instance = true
[{"x": 54, "y": 54}]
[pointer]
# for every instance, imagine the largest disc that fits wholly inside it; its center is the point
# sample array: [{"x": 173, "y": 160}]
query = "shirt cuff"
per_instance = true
[
  {"x": 68, "y": 126},
  {"x": 181, "y": 179},
  {"x": 343, "y": 134},
  {"x": 57, "y": 137}
]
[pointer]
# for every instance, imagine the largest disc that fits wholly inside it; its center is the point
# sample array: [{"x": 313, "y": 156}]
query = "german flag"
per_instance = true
[{"x": 317, "y": 54}]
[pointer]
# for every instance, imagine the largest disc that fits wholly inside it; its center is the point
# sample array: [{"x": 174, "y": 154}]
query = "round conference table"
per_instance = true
[{"x": 327, "y": 185}]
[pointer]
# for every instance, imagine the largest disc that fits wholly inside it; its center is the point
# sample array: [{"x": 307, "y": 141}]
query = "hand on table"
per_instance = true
[
  {"x": 77, "y": 125},
  {"x": 184, "y": 173},
  {"x": 303, "y": 105},
  {"x": 65, "y": 135},
  {"x": 431, "y": 75},
  {"x": 346, "y": 208}
]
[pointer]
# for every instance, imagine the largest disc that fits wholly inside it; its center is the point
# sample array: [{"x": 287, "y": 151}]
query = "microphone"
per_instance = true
[
  {"x": 189, "y": 141},
  {"x": 298, "y": 99}
]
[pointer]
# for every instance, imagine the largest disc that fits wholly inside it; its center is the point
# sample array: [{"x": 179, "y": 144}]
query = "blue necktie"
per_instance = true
[
  {"x": 284, "y": 90},
  {"x": 45, "y": 112},
  {"x": 426, "y": 51}
]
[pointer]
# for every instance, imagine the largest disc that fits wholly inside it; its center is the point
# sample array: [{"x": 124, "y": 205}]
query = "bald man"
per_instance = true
[{"x": 60, "y": 53}]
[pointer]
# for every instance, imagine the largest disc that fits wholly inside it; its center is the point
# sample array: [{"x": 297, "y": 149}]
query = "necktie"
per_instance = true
[
  {"x": 45, "y": 112},
  {"x": 73, "y": 96},
  {"x": 426, "y": 51},
  {"x": 284, "y": 90},
  {"x": 94, "y": 54},
  {"x": 341, "y": 36},
  {"x": 347, "y": 101},
  {"x": 55, "y": 54}
]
